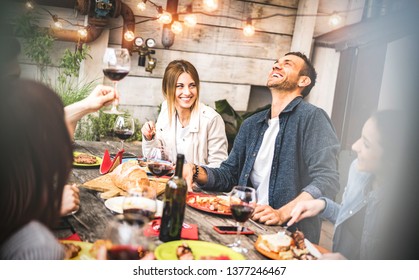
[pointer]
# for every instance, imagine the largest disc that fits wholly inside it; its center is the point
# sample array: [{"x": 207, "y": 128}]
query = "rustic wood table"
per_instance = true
[{"x": 92, "y": 218}]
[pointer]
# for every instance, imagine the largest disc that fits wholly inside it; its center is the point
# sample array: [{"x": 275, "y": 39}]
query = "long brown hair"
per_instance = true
[
  {"x": 173, "y": 70},
  {"x": 36, "y": 155}
]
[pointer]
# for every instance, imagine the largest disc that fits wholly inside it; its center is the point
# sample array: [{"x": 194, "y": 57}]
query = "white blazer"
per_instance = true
[{"x": 206, "y": 141}]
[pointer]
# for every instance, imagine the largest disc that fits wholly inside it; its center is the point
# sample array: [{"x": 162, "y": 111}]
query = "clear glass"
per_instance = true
[
  {"x": 123, "y": 128},
  {"x": 141, "y": 199},
  {"x": 125, "y": 238},
  {"x": 116, "y": 65},
  {"x": 160, "y": 162},
  {"x": 242, "y": 204}
]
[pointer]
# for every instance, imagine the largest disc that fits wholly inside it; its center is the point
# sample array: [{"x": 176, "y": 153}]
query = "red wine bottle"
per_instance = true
[{"x": 174, "y": 204}]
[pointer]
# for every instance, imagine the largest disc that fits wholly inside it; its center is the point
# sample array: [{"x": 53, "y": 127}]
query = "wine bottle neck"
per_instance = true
[{"x": 179, "y": 165}]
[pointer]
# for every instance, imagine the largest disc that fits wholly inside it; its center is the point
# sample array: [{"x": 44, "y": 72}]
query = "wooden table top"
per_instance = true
[{"x": 96, "y": 216}]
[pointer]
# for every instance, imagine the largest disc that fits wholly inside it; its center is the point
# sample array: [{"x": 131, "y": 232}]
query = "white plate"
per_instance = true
[
  {"x": 312, "y": 249},
  {"x": 115, "y": 205}
]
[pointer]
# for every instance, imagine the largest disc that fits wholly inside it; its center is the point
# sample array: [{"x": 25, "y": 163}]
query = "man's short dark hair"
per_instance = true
[{"x": 308, "y": 71}]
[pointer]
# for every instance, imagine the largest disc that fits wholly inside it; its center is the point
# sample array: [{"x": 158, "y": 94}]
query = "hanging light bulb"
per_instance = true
[
  {"x": 141, "y": 5},
  {"x": 210, "y": 5},
  {"x": 190, "y": 20},
  {"x": 129, "y": 35},
  {"x": 58, "y": 24},
  {"x": 29, "y": 5},
  {"x": 335, "y": 19},
  {"x": 176, "y": 27},
  {"x": 165, "y": 18},
  {"x": 248, "y": 29},
  {"x": 82, "y": 32}
]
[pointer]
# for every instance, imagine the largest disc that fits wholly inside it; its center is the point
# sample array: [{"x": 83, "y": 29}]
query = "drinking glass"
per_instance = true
[
  {"x": 159, "y": 161},
  {"x": 116, "y": 65},
  {"x": 123, "y": 128},
  {"x": 126, "y": 239},
  {"x": 141, "y": 199},
  {"x": 242, "y": 203}
]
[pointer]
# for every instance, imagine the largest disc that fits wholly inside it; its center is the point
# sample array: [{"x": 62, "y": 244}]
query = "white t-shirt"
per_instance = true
[
  {"x": 181, "y": 139},
  {"x": 259, "y": 176}
]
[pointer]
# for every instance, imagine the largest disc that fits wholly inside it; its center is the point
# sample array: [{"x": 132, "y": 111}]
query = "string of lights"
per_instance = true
[{"x": 190, "y": 20}]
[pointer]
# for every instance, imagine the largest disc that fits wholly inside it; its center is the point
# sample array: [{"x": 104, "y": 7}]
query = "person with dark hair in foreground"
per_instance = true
[
  {"x": 37, "y": 158},
  {"x": 288, "y": 153}
]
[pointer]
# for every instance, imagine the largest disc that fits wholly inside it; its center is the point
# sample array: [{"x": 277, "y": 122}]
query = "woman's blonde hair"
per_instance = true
[{"x": 173, "y": 70}]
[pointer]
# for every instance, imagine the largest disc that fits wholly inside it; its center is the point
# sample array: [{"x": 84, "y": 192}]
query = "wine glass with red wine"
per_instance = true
[
  {"x": 141, "y": 199},
  {"x": 116, "y": 65},
  {"x": 159, "y": 161},
  {"x": 125, "y": 238},
  {"x": 242, "y": 204},
  {"x": 123, "y": 128}
]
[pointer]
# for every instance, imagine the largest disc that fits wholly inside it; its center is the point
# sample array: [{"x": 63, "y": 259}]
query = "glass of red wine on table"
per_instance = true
[
  {"x": 116, "y": 65},
  {"x": 141, "y": 199},
  {"x": 159, "y": 161},
  {"x": 125, "y": 238},
  {"x": 242, "y": 204},
  {"x": 123, "y": 128}
]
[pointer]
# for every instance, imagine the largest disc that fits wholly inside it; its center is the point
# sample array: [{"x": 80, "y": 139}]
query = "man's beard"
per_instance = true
[{"x": 284, "y": 85}]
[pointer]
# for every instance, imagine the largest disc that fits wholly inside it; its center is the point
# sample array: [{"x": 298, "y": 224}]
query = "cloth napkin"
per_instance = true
[
  {"x": 74, "y": 237},
  {"x": 189, "y": 231}
]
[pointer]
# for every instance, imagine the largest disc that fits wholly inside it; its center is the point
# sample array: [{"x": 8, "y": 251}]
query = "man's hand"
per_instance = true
[
  {"x": 101, "y": 96},
  {"x": 306, "y": 209},
  {"x": 265, "y": 214}
]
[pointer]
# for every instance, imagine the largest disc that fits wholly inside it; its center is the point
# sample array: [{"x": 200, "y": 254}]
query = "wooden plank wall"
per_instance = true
[{"x": 228, "y": 62}]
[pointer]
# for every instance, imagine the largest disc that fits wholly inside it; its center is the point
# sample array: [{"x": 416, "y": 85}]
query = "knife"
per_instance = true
[
  {"x": 80, "y": 221},
  {"x": 312, "y": 249}
]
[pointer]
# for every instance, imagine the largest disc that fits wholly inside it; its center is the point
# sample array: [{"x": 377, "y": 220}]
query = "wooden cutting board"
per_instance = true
[{"x": 105, "y": 185}]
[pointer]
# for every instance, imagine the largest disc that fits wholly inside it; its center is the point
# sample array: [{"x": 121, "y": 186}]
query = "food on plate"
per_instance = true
[
  {"x": 82, "y": 158},
  {"x": 143, "y": 254},
  {"x": 184, "y": 252},
  {"x": 71, "y": 250},
  {"x": 219, "y": 204},
  {"x": 285, "y": 247},
  {"x": 129, "y": 174}
]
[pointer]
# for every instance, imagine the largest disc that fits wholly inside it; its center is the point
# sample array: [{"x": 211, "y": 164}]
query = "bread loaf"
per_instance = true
[
  {"x": 129, "y": 174},
  {"x": 277, "y": 242}
]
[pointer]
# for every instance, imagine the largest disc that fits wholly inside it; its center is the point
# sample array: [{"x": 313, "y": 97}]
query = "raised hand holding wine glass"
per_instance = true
[
  {"x": 242, "y": 204},
  {"x": 116, "y": 65},
  {"x": 124, "y": 128}
]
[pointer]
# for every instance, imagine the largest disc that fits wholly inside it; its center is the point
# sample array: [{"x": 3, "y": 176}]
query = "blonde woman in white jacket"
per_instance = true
[{"x": 184, "y": 124}]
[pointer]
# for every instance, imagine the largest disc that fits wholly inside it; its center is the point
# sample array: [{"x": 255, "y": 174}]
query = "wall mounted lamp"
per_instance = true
[{"x": 143, "y": 47}]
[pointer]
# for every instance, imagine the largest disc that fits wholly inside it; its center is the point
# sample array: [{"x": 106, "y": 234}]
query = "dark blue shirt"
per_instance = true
[{"x": 305, "y": 158}]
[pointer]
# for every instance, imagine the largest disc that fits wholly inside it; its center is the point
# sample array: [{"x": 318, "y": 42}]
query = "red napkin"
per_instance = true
[
  {"x": 74, "y": 237},
  {"x": 189, "y": 231},
  {"x": 108, "y": 164}
]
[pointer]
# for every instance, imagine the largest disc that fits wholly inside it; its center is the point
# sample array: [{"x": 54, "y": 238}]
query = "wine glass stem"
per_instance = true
[
  {"x": 238, "y": 235},
  {"x": 115, "y": 102},
  {"x": 122, "y": 145}
]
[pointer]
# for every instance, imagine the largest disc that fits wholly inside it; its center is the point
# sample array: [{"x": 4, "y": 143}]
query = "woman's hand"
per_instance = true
[
  {"x": 71, "y": 199},
  {"x": 306, "y": 209},
  {"x": 148, "y": 130}
]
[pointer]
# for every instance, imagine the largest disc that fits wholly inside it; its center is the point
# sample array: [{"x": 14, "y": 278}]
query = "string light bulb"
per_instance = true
[
  {"x": 29, "y": 5},
  {"x": 141, "y": 5},
  {"x": 57, "y": 23},
  {"x": 129, "y": 35},
  {"x": 176, "y": 27},
  {"x": 210, "y": 5},
  {"x": 190, "y": 20},
  {"x": 335, "y": 20},
  {"x": 248, "y": 29},
  {"x": 165, "y": 17},
  {"x": 82, "y": 32}
]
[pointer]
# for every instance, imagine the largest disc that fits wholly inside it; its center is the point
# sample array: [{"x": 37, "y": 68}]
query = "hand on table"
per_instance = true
[
  {"x": 265, "y": 214},
  {"x": 70, "y": 199},
  {"x": 188, "y": 171}
]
